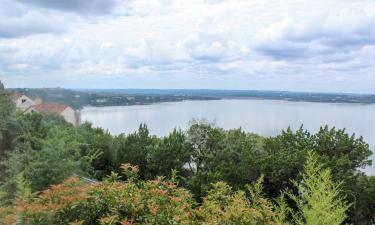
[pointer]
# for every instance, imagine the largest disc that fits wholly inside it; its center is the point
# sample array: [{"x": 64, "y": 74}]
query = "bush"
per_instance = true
[
  {"x": 138, "y": 202},
  {"x": 160, "y": 201}
]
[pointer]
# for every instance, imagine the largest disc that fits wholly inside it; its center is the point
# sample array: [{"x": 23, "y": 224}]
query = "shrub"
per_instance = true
[{"x": 129, "y": 200}]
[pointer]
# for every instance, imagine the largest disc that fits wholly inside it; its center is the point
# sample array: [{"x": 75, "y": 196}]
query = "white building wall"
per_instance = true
[
  {"x": 69, "y": 116},
  {"x": 24, "y": 102}
]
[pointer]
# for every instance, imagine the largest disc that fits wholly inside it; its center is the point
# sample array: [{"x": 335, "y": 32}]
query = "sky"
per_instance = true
[{"x": 292, "y": 45}]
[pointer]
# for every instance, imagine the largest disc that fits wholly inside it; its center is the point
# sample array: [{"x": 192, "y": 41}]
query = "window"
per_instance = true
[{"x": 23, "y": 100}]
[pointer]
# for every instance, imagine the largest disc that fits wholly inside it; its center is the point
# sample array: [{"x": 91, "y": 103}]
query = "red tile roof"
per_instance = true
[{"x": 50, "y": 108}]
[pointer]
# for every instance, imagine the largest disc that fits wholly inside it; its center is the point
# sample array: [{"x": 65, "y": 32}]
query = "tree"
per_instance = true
[
  {"x": 319, "y": 201},
  {"x": 203, "y": 140},
  {"x": 135, "y": 149},
  {"x": 57, "y": 160},
  {"x": 283, "y": 159},
  {"x": 161, "y": 201},
  {"x": 363, "y": 195},
  {"x": 171, "y": 153},
  {"x": 99, "y": 148},
  {"x": 236, "y": 161},
  {"x": 8, "y": 128},
  {"x": 342, "y": 153},
  {"x": 47, "y": 152}
]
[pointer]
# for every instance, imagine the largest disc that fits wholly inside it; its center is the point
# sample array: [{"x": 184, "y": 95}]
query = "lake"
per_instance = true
[{"x": 265, "y": 117}]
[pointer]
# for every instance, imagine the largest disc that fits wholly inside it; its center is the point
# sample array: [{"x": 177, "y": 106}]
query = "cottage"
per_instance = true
[
  {"x": 27, "y": 105},
  {"x": 21, "y": 101},
  {"x": 57, "y": 109}
]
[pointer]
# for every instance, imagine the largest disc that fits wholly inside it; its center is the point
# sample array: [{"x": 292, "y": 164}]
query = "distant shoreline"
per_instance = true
[
  {"x": 229, "y": 98},
  {"x": 126, "y": 97}
]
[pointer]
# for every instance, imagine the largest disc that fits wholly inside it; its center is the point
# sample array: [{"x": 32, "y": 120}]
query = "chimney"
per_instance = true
[{"x": 38, "y": 100}]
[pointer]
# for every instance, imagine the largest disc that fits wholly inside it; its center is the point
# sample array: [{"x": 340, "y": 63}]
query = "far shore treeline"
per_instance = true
[
  {"x": 79, "y": 98},
  {"x": 202, "y": 175}
]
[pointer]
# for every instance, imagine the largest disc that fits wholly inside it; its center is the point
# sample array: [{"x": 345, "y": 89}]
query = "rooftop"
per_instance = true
[{"x": 50, "y": 108}]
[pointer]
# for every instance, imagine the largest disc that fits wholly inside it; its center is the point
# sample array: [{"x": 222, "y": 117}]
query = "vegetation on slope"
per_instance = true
[{"x": 160, "y": 201}]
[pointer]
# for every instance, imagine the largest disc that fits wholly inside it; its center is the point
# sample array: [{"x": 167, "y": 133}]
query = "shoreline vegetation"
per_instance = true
[
  {"x": 202, "y": 175},
  {"x": 79, "y": 98}
]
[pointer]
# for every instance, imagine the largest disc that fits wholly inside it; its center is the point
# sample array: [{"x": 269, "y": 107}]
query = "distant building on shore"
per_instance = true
[{"x": 27, "y": 105}]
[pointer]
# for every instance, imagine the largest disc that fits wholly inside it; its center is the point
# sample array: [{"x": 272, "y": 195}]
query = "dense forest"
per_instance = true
[{"x": 54, "y": 173}]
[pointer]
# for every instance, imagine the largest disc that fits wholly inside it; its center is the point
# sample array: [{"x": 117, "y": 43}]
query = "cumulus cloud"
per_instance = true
[
  {"x": 269, "y": 44},
  {"x": 205, "y": 48},
  {"x": 23, "y": 18},
  {"x": 16, "y": 20},
  {"x": 28, "y": 24},
  {"x": 324, "y": 35}
]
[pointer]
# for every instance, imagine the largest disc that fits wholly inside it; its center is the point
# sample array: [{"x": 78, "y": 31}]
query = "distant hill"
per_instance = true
[{"x": 79, "y": 98}]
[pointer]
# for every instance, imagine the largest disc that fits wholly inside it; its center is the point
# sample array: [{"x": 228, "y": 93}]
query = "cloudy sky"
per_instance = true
[{"x": 299, "y": 45}]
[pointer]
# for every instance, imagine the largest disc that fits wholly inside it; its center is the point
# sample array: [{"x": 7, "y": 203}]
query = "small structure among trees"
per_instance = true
[{"x": 28, "y": 105}]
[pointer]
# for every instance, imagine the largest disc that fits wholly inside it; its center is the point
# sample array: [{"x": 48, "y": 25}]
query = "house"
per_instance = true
[
  {"x": 57, "y": 109},
  {"x": 27, "y": 105},
  {"x": 21, "y": 101}
]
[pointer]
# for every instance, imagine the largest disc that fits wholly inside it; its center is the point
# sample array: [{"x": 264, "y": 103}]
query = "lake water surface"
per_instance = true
[{"x": 265, "y": 117}]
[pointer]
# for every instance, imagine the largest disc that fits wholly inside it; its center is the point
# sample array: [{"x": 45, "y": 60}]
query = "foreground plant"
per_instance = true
[
  {"x": 160, "y": 201},
  {"x": 320, "y": 200},
  {"x": 138, "y": 202}
]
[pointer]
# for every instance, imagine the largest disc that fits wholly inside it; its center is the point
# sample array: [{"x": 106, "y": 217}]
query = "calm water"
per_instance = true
[{"x": 265, "y": 117}]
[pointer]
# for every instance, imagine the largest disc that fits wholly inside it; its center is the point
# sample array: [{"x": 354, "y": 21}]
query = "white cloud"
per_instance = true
[
  {"x": 16, "y": 20},
  {"x": 78, "y": 6},
  {"x": 20, "y": 66},
  {"x": 294, "y": 44},
  {"x": 343, "y": 31}
]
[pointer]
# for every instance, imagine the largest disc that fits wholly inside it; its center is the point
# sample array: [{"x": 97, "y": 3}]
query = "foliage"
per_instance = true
[
  {"x": 138, "y": 202},
  {"x": 363, "y": 194},
  {"x": 223, "y": 206},
  {"x": 161, "y": 201},
  {"x": 319, "y": 200},
  {"x": 98, "y": 148},
  {"x": 43, "y": 151},
  {"x": 342, "y": 153},
  {"x": 172, "y": 151},
  {"x": 135, "y": 149},
  {"x": 9, "y": 130}
]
